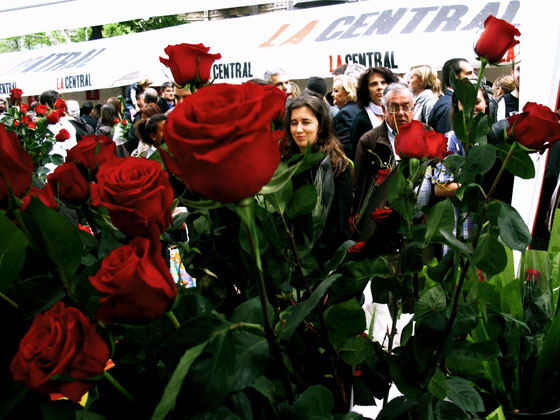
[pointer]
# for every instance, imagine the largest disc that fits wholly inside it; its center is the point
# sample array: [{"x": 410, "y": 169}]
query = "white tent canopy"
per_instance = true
[{"x": 309, "y": 42}]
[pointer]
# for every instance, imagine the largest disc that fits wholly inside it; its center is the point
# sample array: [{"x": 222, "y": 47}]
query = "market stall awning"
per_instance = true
[{"x": 310, "y": 42}]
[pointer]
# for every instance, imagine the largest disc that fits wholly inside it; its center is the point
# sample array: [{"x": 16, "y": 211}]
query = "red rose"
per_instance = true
[
  {"x": 62, "y": 135},
  {"x": 41, "y": 109},
  {"x": 223, "y": 140},
  {"x": 62, "y": 341},
  {"x": 16, "y": 166},
  {"x": 380, "y": 215},
  {"x": 53, "y": 117},
  {"x": 413, "y": 141},
  {"x": 381, "y": 175},
  {"x": 124, "y": 122},
  {"x": 533, "y": 275},
  {"x": 138, "y": 283},
  {"x": 536, "y": 127},
  {"x": 92, "y": 152},
  {"x": 60, "y": 104},
  {"x": 15, "y": 94},
  {"x": 356, "y": 248},
  {"x": 69, "y": 184},
  {"x": 44, "y": 194},
  {"x": 16, "y": 123},
  {"x": 184, "y": 59},
  {"x": 116, "y": 121},
  {"x": 31, "y": 125},
  {"x": 137, "y": 194},
  {"x": 23, "y": 108},
  {"x": 497, "y": 38}
]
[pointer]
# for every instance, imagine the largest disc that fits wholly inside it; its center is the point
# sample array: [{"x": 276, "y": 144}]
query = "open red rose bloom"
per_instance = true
[
  {"x": 413, "y": 141},
  {"x": 222, "y": 140},
  {"x": 61, "y": 341}
]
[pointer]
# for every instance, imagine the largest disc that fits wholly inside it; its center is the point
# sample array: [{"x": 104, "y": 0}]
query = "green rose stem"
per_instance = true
[
  {"x": 17, "y": 215},
  {"x": 117, "y": 385},
  {"x": 468, "y": 124},
  {"x": 301, "y": 276},
  {"x": 173, "y": 319},
  {"x": 8, "y": 300},
  {"x": 465, "y": 267},
  {"x": 246, "y": 213}
]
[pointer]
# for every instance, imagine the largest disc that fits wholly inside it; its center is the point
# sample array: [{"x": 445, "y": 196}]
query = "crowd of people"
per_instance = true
[{"x": 354, "y": 126}]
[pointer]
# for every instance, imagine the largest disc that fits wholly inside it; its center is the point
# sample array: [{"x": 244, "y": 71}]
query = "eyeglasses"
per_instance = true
[{"x": 395, "y": 109}]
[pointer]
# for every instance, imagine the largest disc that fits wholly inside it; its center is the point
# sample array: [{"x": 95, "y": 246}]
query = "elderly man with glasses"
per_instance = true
[{"x": 375, "y": 154}]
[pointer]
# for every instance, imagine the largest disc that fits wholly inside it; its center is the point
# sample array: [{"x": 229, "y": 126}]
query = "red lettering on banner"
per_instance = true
[
  {"x": 299, "y": 36},
  {"x": 276, "y": 35},
  {"x": 59, "y": 83},
  {"x": 509, "y": 57},
  {"x": 338, "y": 62}
]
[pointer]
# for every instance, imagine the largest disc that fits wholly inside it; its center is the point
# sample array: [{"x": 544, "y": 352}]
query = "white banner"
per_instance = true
[{"x": 309, "y": 42}]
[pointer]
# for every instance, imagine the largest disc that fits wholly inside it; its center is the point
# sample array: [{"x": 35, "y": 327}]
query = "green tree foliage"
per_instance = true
[{"x": 47, "y": 39}]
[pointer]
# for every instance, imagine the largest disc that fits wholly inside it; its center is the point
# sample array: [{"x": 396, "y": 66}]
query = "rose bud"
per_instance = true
[
  {"x": 497, "y": 38},
  {"x": 184, "y": 61}
]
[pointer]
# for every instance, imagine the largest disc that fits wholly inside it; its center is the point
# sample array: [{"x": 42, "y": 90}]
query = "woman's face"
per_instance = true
[
  {"x": 480, "y": 106},
  {"x": 340, "y": 96},
  {"x": 157, "y": 136},
  {"x": 376, "y": 85},
  {"x": 304, "y": 127},
  {"x": 415, "y": 83}
]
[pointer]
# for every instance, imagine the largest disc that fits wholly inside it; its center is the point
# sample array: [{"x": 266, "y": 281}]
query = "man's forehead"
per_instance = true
[
  {"x": 281, "y": 77},
  {"x": 399, "y": 96}
]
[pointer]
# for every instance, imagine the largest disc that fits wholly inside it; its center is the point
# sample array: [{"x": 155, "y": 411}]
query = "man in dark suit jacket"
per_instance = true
[
  {"x": 167, "y": 98},
  {"x": 440, "y": 117}
]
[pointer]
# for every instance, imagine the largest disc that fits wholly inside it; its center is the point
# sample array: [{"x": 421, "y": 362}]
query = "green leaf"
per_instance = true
[
  {"x": 466, "y": 93},
  {"x": 433, "y": 300},
  {"x": 513, "y": 229},
  {"x": 281, "y": 198},
  {"x": 218, "y": 362},
  {"x": 520, "y": 163},
  {"x": 303, "y": 201},
  {"x": 281, "y": 177},
  {"x": 478, "y": 161},
  {"x": 355, "y": 350},
  {"x": 490, "y": 255},
  {"x": 453, "y": 242},
  {"x": 344, "y": 320},
  {"x": 401, "y": 195},
  {"x": 251, "y": 312},
  {"x": 473, "y": 352},
  {"x": 201, "y": 204},
  {"x": 440, "y": 217},
  {"x": 481, "y": 127},
  {"x": 167, "y": 402},
  {"x": 445, "y": 410},
  {"x": 395, "y": 408},
  {"x": 251, "y": 355},
  {"x": 465, "y": 320},
  {"x": 13, "y": 249},
  {"x": 462, "y": 393},
  {"x": 294, "y": 315},
  {"x": 55, "y": 235},
  {"x": 316, "y": 402},
  {"x": 438, "y": 385},
  {"x": 454, "y": 162}
]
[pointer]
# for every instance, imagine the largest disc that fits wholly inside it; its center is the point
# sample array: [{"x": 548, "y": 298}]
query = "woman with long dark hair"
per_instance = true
[{"x": 307, "y": 124}]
